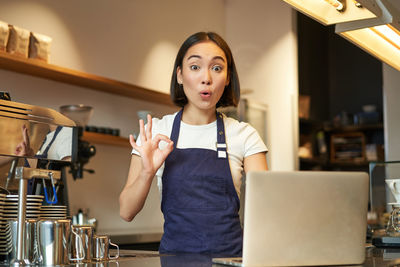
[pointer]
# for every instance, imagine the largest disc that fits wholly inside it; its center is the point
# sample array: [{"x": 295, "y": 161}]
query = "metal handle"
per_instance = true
[
  {"x": 55, "y": 200},
  {"x": 117, "y": 255},
  {"x": 81, "y": 250}
]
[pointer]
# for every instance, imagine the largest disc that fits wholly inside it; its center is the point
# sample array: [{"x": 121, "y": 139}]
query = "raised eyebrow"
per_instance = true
[
  {"x": 197, "y": 56},
  {"x": 193, "y": 56},
  {"x": 219, "y": 57}
]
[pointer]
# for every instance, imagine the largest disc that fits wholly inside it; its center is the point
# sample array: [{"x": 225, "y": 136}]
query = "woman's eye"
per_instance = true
[
  {"x": 217, "y": 68},
  {"x": 194, "y": 67}
]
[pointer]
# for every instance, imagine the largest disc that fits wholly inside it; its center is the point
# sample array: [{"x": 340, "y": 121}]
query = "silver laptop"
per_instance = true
[{"x": 303, "y": 218}]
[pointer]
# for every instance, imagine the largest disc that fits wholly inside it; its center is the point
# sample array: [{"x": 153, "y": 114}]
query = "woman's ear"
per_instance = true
[{"x": 179, "y": 75}]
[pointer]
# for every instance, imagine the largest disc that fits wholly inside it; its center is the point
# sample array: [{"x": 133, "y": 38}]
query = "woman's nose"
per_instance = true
[{"x": 206, "y": 78}]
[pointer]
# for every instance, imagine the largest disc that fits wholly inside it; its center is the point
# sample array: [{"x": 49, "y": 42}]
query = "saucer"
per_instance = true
[{"x": 395, "y": 204}]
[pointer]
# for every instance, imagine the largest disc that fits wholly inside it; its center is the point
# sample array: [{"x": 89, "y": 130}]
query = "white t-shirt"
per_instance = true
[
  {"x": 62, "y": 145},
  {"x": 242, "y": 140}
]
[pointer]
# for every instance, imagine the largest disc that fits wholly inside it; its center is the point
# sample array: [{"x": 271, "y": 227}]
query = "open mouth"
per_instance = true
[{"x": 205, "y": 93}]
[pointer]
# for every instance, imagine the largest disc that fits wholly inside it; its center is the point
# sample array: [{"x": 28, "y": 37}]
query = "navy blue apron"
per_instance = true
[{"x": 199, "y": 201}]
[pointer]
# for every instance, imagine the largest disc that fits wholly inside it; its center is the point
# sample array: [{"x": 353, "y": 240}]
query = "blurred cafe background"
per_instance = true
[{"x": 321, "y": 98}]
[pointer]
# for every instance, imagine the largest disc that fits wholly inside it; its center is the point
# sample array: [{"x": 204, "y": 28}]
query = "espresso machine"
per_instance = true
[{"x": 38, "y": 142}]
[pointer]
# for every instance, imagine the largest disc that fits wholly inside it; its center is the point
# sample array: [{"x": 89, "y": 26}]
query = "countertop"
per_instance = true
[{"x": 375, "y": 257}]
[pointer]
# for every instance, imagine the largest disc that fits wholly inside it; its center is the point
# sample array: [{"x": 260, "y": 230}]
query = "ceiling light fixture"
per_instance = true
[
  {"x": 378, "y": 36},
  {"x": 373, "y": 25},
  {"x": 389, "y": 33},
  {"x": 326, "y": 11}
]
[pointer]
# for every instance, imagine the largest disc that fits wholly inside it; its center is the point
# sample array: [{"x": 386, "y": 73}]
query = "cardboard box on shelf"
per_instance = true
[
  {"x": 18, "y": 42},
  {"x": 4, "y": 34},
  {"x": 39, "y": 46}
]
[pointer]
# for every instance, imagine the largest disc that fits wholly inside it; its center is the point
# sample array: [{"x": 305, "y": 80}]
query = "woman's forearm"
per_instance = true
[{"x": 134, "y": 194}]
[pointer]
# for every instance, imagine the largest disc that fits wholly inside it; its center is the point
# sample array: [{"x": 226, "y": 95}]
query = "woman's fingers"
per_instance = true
[
  {"x": 18, "y": 149},
  {"x": 170, "y": 144},
  {"x": 142, "y": 131},
  {"x": 162, "y": 153},
  {"x": 25, "y": 135},
  {"x": 21, "y": 149},
  {"x": 149, "y": 127},
  {"x": 162, "y": 137},
  {"x": 168, "y": 149},
  {"x": 132, "y": 141}
]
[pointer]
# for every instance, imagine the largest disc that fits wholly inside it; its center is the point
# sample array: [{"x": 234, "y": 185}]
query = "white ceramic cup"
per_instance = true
[{"x": 394, "y": 185}]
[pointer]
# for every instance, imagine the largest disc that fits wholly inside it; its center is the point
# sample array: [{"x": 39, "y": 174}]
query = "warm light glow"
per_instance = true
[
  {"x": 357, "y": 3},
  {"x": 373, "y": 42},
  {"x": 389, "y": 33},
  {"x": 355, "y": 23}
]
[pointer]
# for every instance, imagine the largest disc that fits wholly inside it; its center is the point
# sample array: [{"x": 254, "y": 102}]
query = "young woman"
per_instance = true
[{"x": 197, "y": 154}]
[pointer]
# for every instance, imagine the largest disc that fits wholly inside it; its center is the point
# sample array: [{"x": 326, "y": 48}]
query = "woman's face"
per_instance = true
[{"x": 204, "y": 75}]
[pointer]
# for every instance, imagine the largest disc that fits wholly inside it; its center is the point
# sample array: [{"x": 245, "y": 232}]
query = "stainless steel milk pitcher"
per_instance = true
[
  {"x": 53, "y": 240},
  {"x": 29, "y": 246},
  {"x": 84, "y": 233},
  {"x": 101, "y": 251}
]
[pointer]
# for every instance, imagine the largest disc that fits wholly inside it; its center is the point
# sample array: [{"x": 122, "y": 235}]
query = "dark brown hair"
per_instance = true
[{"x": 231, "y": 94}]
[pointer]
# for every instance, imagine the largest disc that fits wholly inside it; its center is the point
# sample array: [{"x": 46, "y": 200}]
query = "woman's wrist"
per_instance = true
[{"x": 147, "y": 175}]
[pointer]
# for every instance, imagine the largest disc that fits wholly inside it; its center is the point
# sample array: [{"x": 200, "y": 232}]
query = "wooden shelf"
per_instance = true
[
  {"x": 326, "y": 162},
  {"x": 105, "y": 139},
  {"x": 345, "y": 163},
  {"x": 52, "y": 72},
  {"x": 352, "y": 128}
]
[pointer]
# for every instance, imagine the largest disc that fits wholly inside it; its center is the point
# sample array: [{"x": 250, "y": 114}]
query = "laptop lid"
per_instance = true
[{"x": 305, "y": 218}]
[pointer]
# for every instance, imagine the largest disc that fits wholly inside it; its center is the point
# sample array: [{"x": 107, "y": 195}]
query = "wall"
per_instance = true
[
  {"x": 125, "y": 40},
  {"x": 391, "y": 96},
  {"x": 131, "y": 41},
  {"x": 136, "y": 42},
  {"x": 262, "y": 35}
]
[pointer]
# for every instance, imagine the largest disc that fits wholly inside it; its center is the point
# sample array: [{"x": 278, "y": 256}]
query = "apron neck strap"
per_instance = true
[
  {"x": 221, "y": 143},
  {"x": 176, "y": 127},
  {"x": 220, "y": 129}
]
